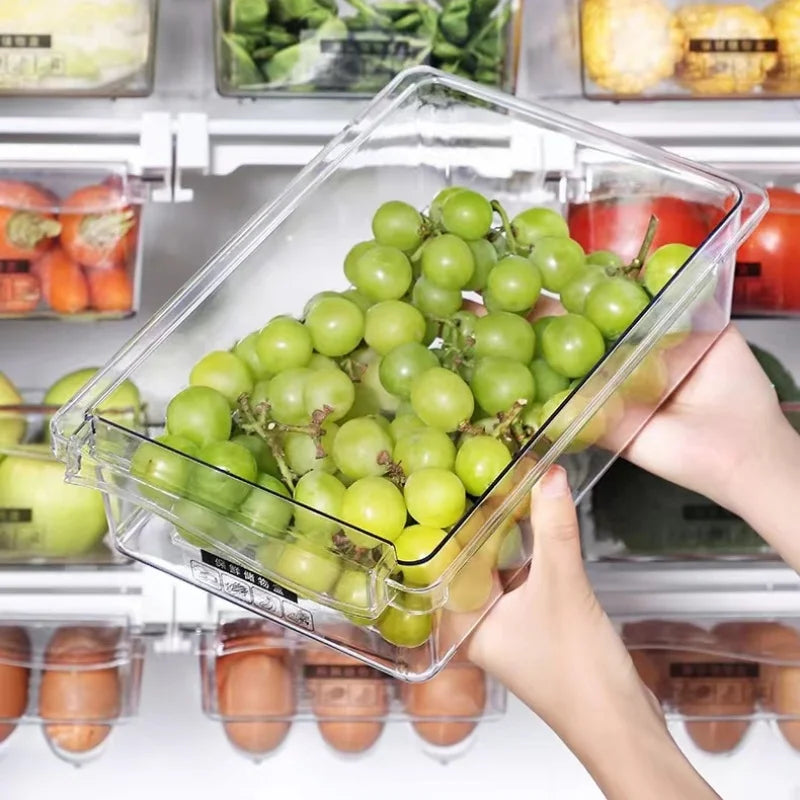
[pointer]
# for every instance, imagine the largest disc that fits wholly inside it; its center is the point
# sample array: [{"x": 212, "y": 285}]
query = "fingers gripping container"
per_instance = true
[{"x": 424, "y": 132}]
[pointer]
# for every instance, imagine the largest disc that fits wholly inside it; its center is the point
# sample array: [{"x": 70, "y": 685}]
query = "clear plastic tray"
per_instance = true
[
  {"x": 78, "y": 678},
  {"x": 721, "y": 676},
  {"x": 426, "y": 131},
  {"x": 666, "y": 49},
  {"x": 72, "y": 48},
  {"x": 69, "y": 241},
  {"x": 355, "y": 49},
  {"x": 258, "y": 679}
]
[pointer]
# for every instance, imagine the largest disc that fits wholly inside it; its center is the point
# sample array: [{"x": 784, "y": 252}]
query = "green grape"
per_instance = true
[
  {"x": 215, "y": 488},
  {"x": 404, "y": 628},
  {"x": 461, "y": 329},
  {"x": 404, "y": 424},
  {"x": 418, "y": 542},
  {"x": 361, "y": 300},
  {"x": 533, "y": 224},
  {"x": 225, "y": 372},
  {"x": 435, "y": 211},
  {"x": 351, "y": 259},
  {"x": 323, "y": 493},
  {"x": 265, "y": 510},
  {"x": 319, "y": 362},
  {"x": 434, "y": 301},
  {"x": 286, "y": 395},
  {"x": 353, "y": 590},
  {"x": 392, "y": 323},
  {"x": 559, "y": 260},
  {"x": 261, "y": 452},
  {"x": 505, "y": 335},
  {"x": 371, "y": 398},
  {"x": 548, "y": 381},
  {"x": 383, "y": 422},
  {"x": 400, "y": 366},
  {"x": 247, "y": 350},
  {"x": 336, "y": 326},
  {"x": 614, "y": 304},
  {"x": 498, "y": 383},
  {"x": 648, "y": 383},
  {"x": 374, "y": 505},
  {"x": 480, "y": 460},
  {"x": 200, "y": 414},
  {"x": 435, "y": 497},
  {"x": 447, "y": 262},
  {"x": 358, "y": 448},
  {"x": 484, "y": 255},
  {"x": 589, "y": 434},
  {"x": 663, "y": 264},
  {"x": 539, "y": 327},
  {"x": 514, "y": 284},
  {"x": 467, "y": 214},
  {"x": 283, "y": 344},
  {"x": 574, "y": 293},
  {"x": 532, "y": 415},
  {"x": 301, "y": 453},
  {"x": 383, "y": 273},
  {"x": 423, "y": 449},
  {"x": 260, "y": 393},
  {"x": 200, "y": 526},
  {"x": 572, "y": 345},
  {"x": 314, "y": 571},
  {"x": 161, "y": 468},
  {"x": 398, "y": 224},
  {"x": 329, "y": 389},
  {"x": 315, "y": 299},
  {"x": 441, "y": 399},
  {"x": 605, "y": 259}
]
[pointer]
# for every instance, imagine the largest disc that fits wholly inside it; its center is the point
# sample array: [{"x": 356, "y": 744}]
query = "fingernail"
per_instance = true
[{"x": 554, "y": 483}]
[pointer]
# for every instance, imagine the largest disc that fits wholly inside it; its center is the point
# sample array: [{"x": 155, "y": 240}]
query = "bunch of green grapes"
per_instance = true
[{"x": 389, "y": 409}]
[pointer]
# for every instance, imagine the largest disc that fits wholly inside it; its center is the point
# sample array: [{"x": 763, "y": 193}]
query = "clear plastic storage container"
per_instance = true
[
  {"x": 259, "y": 679},
  {"x": 721, "y": 677},
  {"x": 77, "y": 678},
  {"x": 427, "y": 131},
  {"x": 69, "y": 241},
  {"x": 356, "y": 48},
  {"x": 101, "y": 48},
  {"x": 669, "y": 49}
]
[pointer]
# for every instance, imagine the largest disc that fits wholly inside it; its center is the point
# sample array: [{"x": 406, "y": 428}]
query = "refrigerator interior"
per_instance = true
[{"x": 212, "y": 162}]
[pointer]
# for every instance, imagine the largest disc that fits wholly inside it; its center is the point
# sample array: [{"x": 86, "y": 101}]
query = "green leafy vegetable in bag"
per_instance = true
[{"x": 247, "y": 16}]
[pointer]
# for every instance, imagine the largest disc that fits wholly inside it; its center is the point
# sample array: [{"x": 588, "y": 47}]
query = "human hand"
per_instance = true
[{"x": 550, "y": 642}]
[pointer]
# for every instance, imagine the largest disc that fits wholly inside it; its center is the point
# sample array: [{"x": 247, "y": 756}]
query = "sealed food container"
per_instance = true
[
  {"x": 634, "y": 515},
  {"x": 671, "y": 49},
  {"x": 101, "y": 48},
  {"x": 77, "y": 678},
  {"x": 271, "y": 527},
  {"x": 767, "y": 270},
  {"x": 721, "y": 677},
  {"x": 355, "y": 48},
  {"x": 259, "y": 680},
  {"x": 69, "y": 242}
]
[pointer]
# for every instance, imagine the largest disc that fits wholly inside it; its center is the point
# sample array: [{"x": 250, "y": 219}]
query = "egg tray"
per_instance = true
[{"x": 23, "y": 541}]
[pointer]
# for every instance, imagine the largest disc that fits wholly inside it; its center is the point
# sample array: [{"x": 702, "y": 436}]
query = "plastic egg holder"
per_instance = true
[
  {"x": 425, "y": 131},
  {"x": 77, "y": 677}
]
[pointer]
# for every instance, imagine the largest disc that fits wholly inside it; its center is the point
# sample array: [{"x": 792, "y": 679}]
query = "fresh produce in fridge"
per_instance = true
[
  {"x": 12, "y": 424},
  {"x": 64, "y": 285},
  {"x": 319, "y": 46},
  {"x": 110, "y": 289},
  {"x": 80, "y": 688},
  {"x": 464, "y": 389},
  {"x": 708, "y": 70},
  {"x": 629, "y": 46},
  {"x": 27, "y": 223},
  {"x": 784, "y": 16},
  {"x": 74, "y": 45},
  {"x": 14, "y": 676}
]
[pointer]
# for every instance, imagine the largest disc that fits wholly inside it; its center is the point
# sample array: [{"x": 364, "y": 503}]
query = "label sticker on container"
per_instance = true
[
  {"x": 714, "y": 669},
  {"x": 14, "y": 266},
  {"x": 11, "y": 515},
  {"x": 714, "y": 683},
  {"x": 245, "y": 577},
  {"x": 743, "y": 46},
  {"x": 25, "y": 40},
  {"x": 350, "y": 671}
]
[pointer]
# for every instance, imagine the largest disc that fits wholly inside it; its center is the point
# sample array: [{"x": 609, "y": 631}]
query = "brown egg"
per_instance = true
[
  {"x": 14, "y": 653},
  {"x": 349, "y": 699},
  {"x": 438, "y": 706},
  {"x": 255, "y": 682},
  {"x": 78, "y": 686}
]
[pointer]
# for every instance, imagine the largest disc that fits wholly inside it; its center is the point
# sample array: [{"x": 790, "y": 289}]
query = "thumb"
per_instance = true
[{"x": 556, "y": 536}]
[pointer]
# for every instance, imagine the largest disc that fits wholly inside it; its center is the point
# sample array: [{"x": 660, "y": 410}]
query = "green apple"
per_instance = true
[
  {"x": 65, "y": 520},
  {"x": 12, "y": 424}
]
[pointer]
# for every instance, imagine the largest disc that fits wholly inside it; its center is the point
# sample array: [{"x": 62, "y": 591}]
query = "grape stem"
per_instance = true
[
  {"x": 256, "y": 421},
  {"x": 647, "y": 243},
  {"x": 360, "y": 555},
  {"x": 507, "y": 422},
  {"x": 353, "y": 369},
  {"x": 314, "y": 429},
  {"x": 394, "y": 472},
  {"x": 507, "y": 226}
]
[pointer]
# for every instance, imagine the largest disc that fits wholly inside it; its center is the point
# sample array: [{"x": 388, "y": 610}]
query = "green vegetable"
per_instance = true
[
  {"x": 409, "y": 22},
  {"x": 247, "y": 16},
  {"x": 444, "y": 50},
  {"x": 242, "y": 70},
  {"x": 290, "y": 10},
  {"x": 280, "y": 37},
  {"x": 454, "y": 22},
  {"x": 316, "y": 17}
]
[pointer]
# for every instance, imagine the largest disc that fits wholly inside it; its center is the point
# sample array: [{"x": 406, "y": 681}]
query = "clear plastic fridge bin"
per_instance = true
[
  {"x": 259, "y": 679},
  {"x": 424, "y": 132},
  {"x": 77, "y": 677}
]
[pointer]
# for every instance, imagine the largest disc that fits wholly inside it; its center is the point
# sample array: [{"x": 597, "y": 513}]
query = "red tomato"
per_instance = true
[
  {"x": 619, "y": 225},
  {"x": 767, "y": 268}
]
